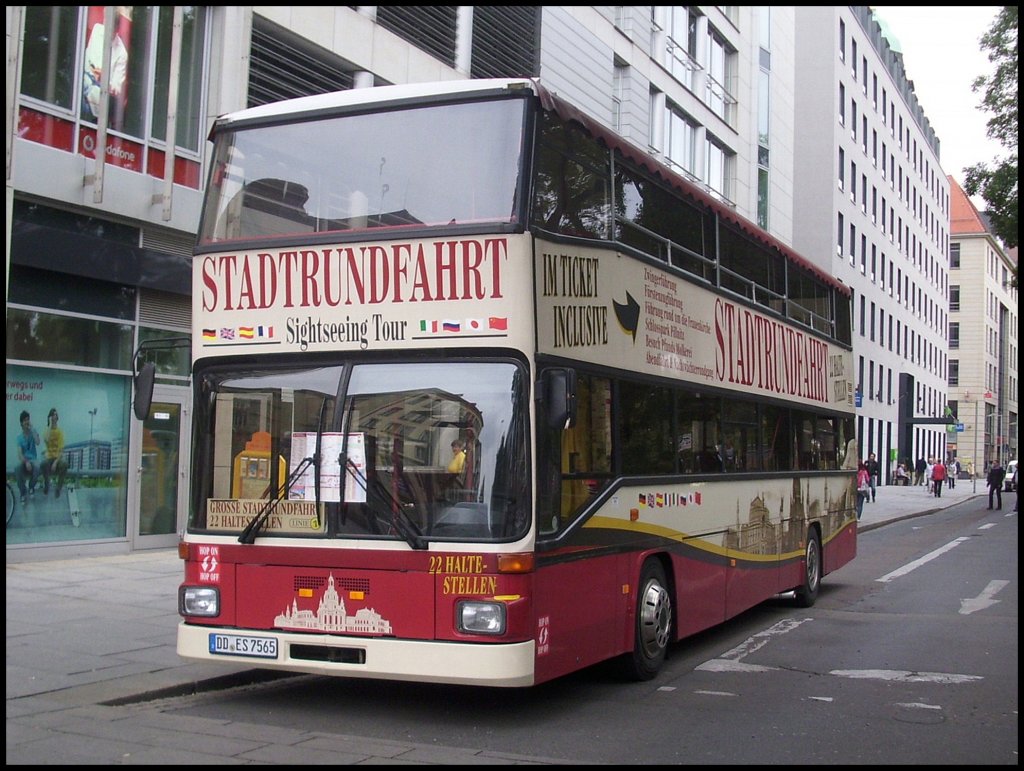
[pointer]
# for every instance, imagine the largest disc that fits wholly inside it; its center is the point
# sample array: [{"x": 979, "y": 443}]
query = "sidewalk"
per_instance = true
[
  {"x": 88, "y": 638},
  {"x": 894, "y": 503}
]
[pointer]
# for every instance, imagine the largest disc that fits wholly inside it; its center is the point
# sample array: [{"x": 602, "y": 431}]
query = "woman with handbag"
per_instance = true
[{"x": 863, "y": 487}]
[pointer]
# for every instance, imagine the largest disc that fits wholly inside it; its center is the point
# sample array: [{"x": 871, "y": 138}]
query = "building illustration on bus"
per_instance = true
[{"x": 653, "y": 396}]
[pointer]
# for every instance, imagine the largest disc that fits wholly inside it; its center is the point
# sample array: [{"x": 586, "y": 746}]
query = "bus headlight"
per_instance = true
[
  {"x": 198, "y": 601},
  {"x": 476, "y": 617}
]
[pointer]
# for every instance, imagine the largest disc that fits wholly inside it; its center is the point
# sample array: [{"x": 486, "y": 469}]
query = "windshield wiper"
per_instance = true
[
  {"x": 249, "y": 534},
  {"x": 399, "y": 520}
]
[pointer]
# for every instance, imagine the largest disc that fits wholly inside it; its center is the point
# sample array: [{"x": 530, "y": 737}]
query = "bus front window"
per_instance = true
[
  {"x": 444, "y": 449},
  {"x": 275, "y": 445}
]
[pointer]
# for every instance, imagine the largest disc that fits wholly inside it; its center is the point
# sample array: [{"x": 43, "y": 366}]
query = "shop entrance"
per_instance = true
[{"x": 162, "y": 471}]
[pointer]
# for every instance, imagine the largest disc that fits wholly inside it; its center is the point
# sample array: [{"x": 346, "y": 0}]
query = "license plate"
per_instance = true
[{"x": 243, "y": 645}]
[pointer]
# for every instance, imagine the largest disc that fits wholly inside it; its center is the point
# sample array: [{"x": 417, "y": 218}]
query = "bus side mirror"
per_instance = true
[
  {"x": 560, "y": 397},
  {"x": 144, "y": 380}
]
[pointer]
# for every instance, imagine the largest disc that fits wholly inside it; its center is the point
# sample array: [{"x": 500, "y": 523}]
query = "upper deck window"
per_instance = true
[{"x": 442, "y": 164}]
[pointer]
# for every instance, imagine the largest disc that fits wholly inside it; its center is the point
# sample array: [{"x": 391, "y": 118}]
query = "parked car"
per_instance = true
[{"x": 1010, "y": 483}]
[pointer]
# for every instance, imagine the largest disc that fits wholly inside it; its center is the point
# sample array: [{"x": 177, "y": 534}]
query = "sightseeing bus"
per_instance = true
[{"x": 484, "y": 394}]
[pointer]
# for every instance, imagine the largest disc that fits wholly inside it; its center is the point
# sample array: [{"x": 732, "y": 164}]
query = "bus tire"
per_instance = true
[
  {"x": 653, "y": 623},
  {"x": 807, "y": 592}
]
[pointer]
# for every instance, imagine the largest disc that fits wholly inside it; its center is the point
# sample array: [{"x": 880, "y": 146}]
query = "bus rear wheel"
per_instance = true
[
  {"x": 807, "y": 592},
  {"x": 653, "y": 623}
]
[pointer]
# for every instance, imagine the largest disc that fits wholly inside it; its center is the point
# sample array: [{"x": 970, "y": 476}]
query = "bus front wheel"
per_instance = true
[
  {"x": 653, "y": 623},
  {"x": 807, "y": 592}
]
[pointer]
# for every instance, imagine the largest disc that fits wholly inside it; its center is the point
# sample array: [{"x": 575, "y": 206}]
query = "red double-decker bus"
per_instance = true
[{"x": 484, "y": 394}]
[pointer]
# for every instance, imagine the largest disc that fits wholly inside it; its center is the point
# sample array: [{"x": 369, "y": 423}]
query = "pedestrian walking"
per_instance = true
[
  {"x": 996, "y": 475},
  {"x": 919, "y": 468},
  {"x": 863, "y": 488},
  {"x": 952, "y": 469},
  {"x": 938, "y": 479},
  {"x": 1016, "y": 490},
  {"x": 873, "y": 469}
]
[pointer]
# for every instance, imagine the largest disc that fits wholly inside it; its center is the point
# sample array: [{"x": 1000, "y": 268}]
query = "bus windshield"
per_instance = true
[
  {"x": 442, "y": 164},
  {"x": 424, "y": 450}
]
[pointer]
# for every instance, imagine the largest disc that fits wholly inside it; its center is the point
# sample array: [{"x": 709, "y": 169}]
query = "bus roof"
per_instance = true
[
  {"x": 380, "y": 96},
  {"x": 309, "y": 107}
]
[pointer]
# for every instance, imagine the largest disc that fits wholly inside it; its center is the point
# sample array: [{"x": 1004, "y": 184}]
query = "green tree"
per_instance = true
[{"x": 997, "y": 185}]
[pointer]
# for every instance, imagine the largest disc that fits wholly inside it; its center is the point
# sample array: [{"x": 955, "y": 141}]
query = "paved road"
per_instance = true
[{"x": 87, "y": 638}]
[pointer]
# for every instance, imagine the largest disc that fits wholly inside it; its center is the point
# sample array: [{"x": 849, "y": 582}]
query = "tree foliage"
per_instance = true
[{"x": 997, "y": 184}]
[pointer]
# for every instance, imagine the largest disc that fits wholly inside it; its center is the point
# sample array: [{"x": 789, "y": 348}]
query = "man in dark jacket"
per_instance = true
[
  {"x": 996, "y": 474},
  {"x": 919, "y": 468}
]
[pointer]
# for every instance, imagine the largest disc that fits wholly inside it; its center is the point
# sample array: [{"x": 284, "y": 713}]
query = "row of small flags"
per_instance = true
[
  {"x": 494, "y": 323},
  {"x": 240, "y": 333},
  {"x": 499, "y": 323},
  {"x": 660, "y": 500}
]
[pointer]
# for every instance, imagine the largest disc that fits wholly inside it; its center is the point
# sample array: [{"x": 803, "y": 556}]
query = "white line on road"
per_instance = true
[
  {"x": 732, "y": 660},
  {"x": 919, "y": 562}
]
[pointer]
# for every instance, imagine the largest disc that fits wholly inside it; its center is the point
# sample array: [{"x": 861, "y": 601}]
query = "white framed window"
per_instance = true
[
  {"x": 718, "y": 64},
  {"x": 680, "y": 140},
  {"x": 717, "y": 163}
]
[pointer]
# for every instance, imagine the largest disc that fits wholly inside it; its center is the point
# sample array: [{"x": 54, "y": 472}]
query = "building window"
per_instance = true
[
  {"x": 718, "y": 64},
  {"x": 954, "y": 372},
  {"x": 954, "y": 256},
  {"x": 681, "y": 44},
  {"x": 60, "y": 82},
  {"x": 716, "y": 169},
  {"x": 620, "y": 77},
  {"x": 680, "y": 141},
  {"x": 954, "y": 298}
]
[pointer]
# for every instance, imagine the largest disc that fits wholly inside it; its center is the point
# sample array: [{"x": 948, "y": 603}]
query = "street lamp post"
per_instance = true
[
  {"x": 92, "y": 416},
  {"x": 974, "y": 476}
]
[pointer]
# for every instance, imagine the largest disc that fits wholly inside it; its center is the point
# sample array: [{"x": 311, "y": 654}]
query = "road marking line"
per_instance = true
[
  {"x": 919, "y": 562},
  {"x": 904, "y": 676},
  {"x": 731, "y": 660}
]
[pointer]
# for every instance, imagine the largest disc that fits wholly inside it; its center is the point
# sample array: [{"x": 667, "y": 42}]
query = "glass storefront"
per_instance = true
[{"x": 74, "y": 471}]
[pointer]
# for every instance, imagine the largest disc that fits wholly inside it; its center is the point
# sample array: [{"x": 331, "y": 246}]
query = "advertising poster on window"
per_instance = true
[
  {"x": 95, "y": 53},
  {"x": 67, "y": 447}
]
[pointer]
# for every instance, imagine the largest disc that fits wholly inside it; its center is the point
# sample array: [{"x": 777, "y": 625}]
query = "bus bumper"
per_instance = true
[{"x": 486, "y": 664}]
